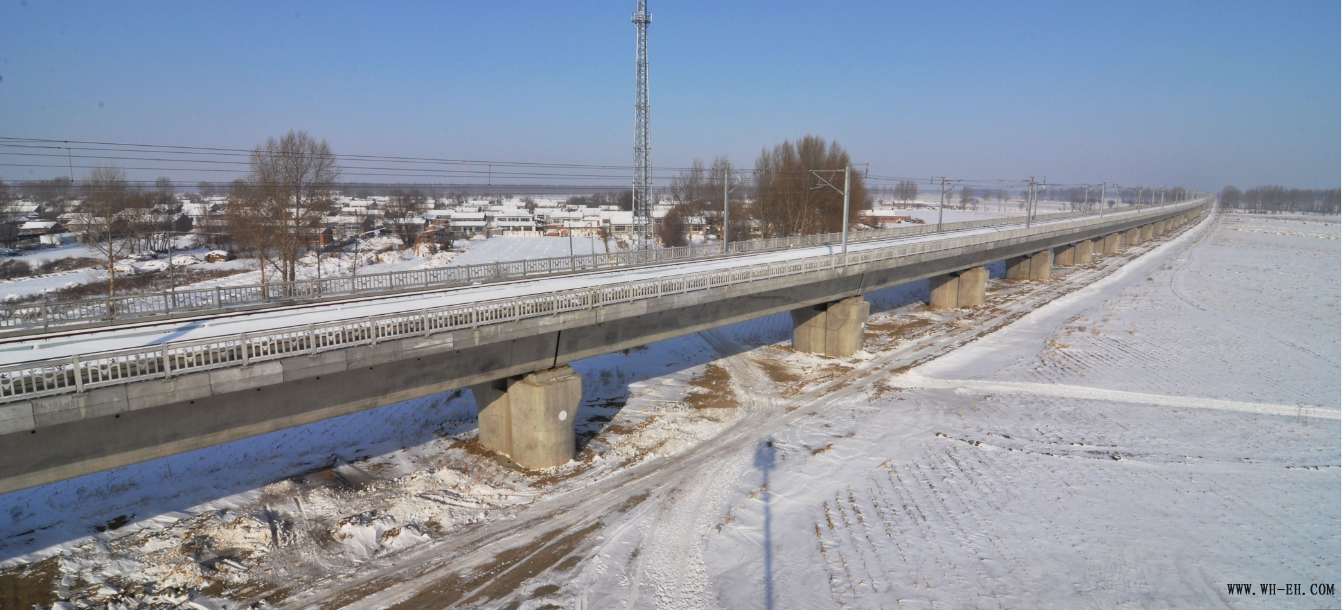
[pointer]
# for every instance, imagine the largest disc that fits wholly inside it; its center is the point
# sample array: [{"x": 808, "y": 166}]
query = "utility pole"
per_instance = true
[
  {"x": 726, "y": 206},
  {"x": 642, "y": 133},
  {"x": 1139, "y": 196},
  {"x": 1029, "y": 203},
  {"x": 1042, "y": 183},
  {"x": 1162, "y": 196},
  {"x": 847, "y": 194},
  {"x": 1032, "y": 200},
  {"x": 941, "y": 206},
  {"x": 1086, "y": 205},
  {"x": 172, "y": 276},
  {"x": 1103, "y": 186},
  {"x": 847, "y": 190}
]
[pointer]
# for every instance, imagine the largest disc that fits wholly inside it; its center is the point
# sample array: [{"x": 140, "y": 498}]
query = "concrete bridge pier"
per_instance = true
[
  {"x": 1018, "y": 268},
  {"x": 1035, "y": 266},
  {"x": 530, "y": 418},
  {"x": 834, "y": 329},
  {"x": 1112, "y": 242},
  {"x": 1041, "y": 265},
  {"x": 1148, "y": 232},
  {"x": 1132, "y": 237},
  {"x": 961, "y": 289},
  {"x": 1065, "y": 256},
  {"x": 1084, "y": 250}
]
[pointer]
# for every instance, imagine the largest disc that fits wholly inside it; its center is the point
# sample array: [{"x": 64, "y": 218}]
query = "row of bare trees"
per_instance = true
[
  {"x": 796, "y": 187},
  {"x": 119, "y": 218},
  {"x": 1281, "y": 199},
  {"x": 693, "y": 193},
  {"x": 274, "y": 214}
]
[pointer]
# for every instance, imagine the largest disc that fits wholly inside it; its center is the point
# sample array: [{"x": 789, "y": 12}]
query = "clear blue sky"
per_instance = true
[{"x": 1195, "y": 93}]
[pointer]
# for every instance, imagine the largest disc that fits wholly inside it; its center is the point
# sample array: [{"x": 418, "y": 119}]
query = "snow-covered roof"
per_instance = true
[
  {"x": 197, "y": 209},
  {"x": 18, "y": 207},
  {"x": 37, "y": 224}
]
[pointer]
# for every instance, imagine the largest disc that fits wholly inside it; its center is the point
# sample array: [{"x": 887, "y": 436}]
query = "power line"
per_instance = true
[
  {"x": 219, "y": 151},
  {"x": 216, "y": 160}
]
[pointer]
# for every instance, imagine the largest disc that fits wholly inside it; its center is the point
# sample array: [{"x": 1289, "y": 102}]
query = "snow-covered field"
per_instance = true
[
  {"x": 1168, "y": 427},
  {"x": 973, "y": 481},
  {"x": 927, "y": 204},
  {"x": 520, "y": 248},
  {"x": 187, "y": 253}
]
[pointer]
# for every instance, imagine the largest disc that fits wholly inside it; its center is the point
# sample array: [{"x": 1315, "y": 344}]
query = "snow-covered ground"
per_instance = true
[
  {"x": 1011, "y": 472},
  {"x": 520, "y": 248},
  {"x": 1167, "y": 427}
]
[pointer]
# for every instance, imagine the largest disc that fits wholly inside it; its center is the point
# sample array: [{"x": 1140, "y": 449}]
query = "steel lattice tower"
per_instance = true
[{"x": 642, "y": 144}]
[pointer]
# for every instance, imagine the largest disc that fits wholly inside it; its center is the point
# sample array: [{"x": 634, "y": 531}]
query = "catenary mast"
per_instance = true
[{"x": 642, "y": 145}]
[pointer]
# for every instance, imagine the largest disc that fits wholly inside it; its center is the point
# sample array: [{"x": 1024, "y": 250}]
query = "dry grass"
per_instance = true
[
  {"x": 712, "y": 389},
  {"x": 896, "y": 329},
  {"x": 30, "y": 585},
  {"x": 153, "y": 281}
]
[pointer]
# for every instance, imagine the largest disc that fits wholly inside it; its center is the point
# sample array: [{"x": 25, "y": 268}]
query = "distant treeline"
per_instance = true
[{"x": 1281, "y": 199}]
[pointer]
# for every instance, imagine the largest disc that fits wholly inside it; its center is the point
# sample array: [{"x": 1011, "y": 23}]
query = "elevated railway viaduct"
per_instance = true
[{"x": 94, "y": 409}]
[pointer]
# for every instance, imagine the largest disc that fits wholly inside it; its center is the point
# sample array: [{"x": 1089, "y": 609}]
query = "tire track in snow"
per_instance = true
[
  {"x": 674, "y": 561},
  {"x": 916, "y": 380}
]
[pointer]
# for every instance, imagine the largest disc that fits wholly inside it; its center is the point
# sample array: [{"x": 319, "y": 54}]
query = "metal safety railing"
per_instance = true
[
  {"x": 82, "y": 372},
  {"x": 45, "y": 315}
]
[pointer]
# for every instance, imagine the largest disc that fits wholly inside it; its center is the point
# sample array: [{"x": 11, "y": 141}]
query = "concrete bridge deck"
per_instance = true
[{"x": 104, "y": 399}]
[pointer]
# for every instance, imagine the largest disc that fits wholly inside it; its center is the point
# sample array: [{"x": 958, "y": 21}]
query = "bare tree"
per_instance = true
[
  {"x": 106, "y": 197},
  {"x": 906, "y": 191},
  {"x": 1075, "y": 197},
  {"x": 723, "y": 169},
  {"x": 792, "y": 200},
  {"x": 164, "y": 192},
  {"x": 278, "y": 208},
  {"x": 697, "y": 190},
  {"x": 692, "y": 188},
  {"x": 402, "y": 207},
  {"x": 55, "y": 195},
  {"x": 672, "y": 230}
]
